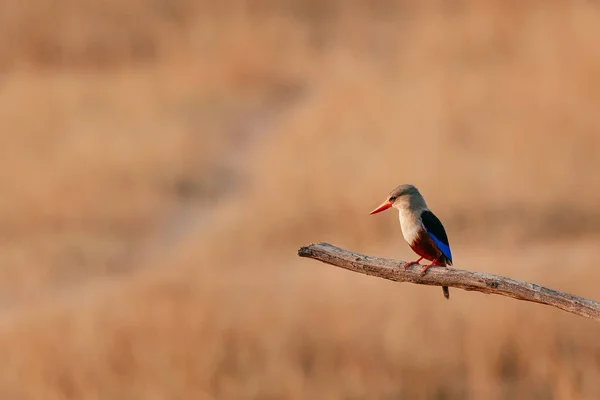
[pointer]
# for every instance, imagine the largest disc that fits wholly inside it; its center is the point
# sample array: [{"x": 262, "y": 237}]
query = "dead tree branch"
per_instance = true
[{"x": 456, "y": 278}]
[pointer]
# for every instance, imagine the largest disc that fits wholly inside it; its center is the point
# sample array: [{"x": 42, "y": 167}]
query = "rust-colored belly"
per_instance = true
[{"x": 426, "y": 248}]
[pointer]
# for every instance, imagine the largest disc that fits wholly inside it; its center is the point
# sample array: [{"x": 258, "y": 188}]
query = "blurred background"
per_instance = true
[{"x": 163, "y": 160}]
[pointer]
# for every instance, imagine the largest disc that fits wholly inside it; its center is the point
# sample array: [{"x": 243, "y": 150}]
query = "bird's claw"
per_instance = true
[
  {"x": 426, "y": 267},
  {"x": 410, "y": 264}
]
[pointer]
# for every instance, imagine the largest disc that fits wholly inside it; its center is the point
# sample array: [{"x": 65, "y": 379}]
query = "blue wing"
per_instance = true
[
  {"x": 444, "y": 248},
  {"x": 437, "y": 233}
]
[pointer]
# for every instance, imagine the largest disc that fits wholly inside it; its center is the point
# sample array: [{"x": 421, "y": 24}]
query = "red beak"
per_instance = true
[{"x": 384, "y": 206}]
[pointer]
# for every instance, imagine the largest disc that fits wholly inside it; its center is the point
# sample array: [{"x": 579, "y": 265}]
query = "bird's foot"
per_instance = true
[
  {"x": 433, "y": 264},
  {"x": 410, "y": 264}
]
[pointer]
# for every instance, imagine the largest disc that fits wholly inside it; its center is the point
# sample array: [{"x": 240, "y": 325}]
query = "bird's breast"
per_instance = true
[{"x": 410, "y": 225}]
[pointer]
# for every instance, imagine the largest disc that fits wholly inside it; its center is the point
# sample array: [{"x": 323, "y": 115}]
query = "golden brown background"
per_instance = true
[{"x": 161, "y": 162}]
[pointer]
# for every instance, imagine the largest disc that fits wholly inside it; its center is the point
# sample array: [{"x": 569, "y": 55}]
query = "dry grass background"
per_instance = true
[{"x": 162, "y": 161}]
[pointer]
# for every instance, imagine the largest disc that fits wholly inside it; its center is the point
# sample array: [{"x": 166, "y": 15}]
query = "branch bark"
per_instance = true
[{"x": 457, "y": 278}]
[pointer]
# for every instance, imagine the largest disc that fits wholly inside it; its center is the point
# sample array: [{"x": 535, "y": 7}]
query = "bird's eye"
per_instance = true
[{"x": 392, "y": 199}]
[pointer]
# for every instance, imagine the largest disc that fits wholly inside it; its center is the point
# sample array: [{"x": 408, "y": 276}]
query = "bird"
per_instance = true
[{"x": 422, "y": 230}]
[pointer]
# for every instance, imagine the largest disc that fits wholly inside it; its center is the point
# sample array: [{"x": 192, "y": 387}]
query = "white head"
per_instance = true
[{"x": 403, "y": 197}]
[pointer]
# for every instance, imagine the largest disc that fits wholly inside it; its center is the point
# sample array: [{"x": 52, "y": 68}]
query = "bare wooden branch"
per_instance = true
[{"x": 457, "y": 278}]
